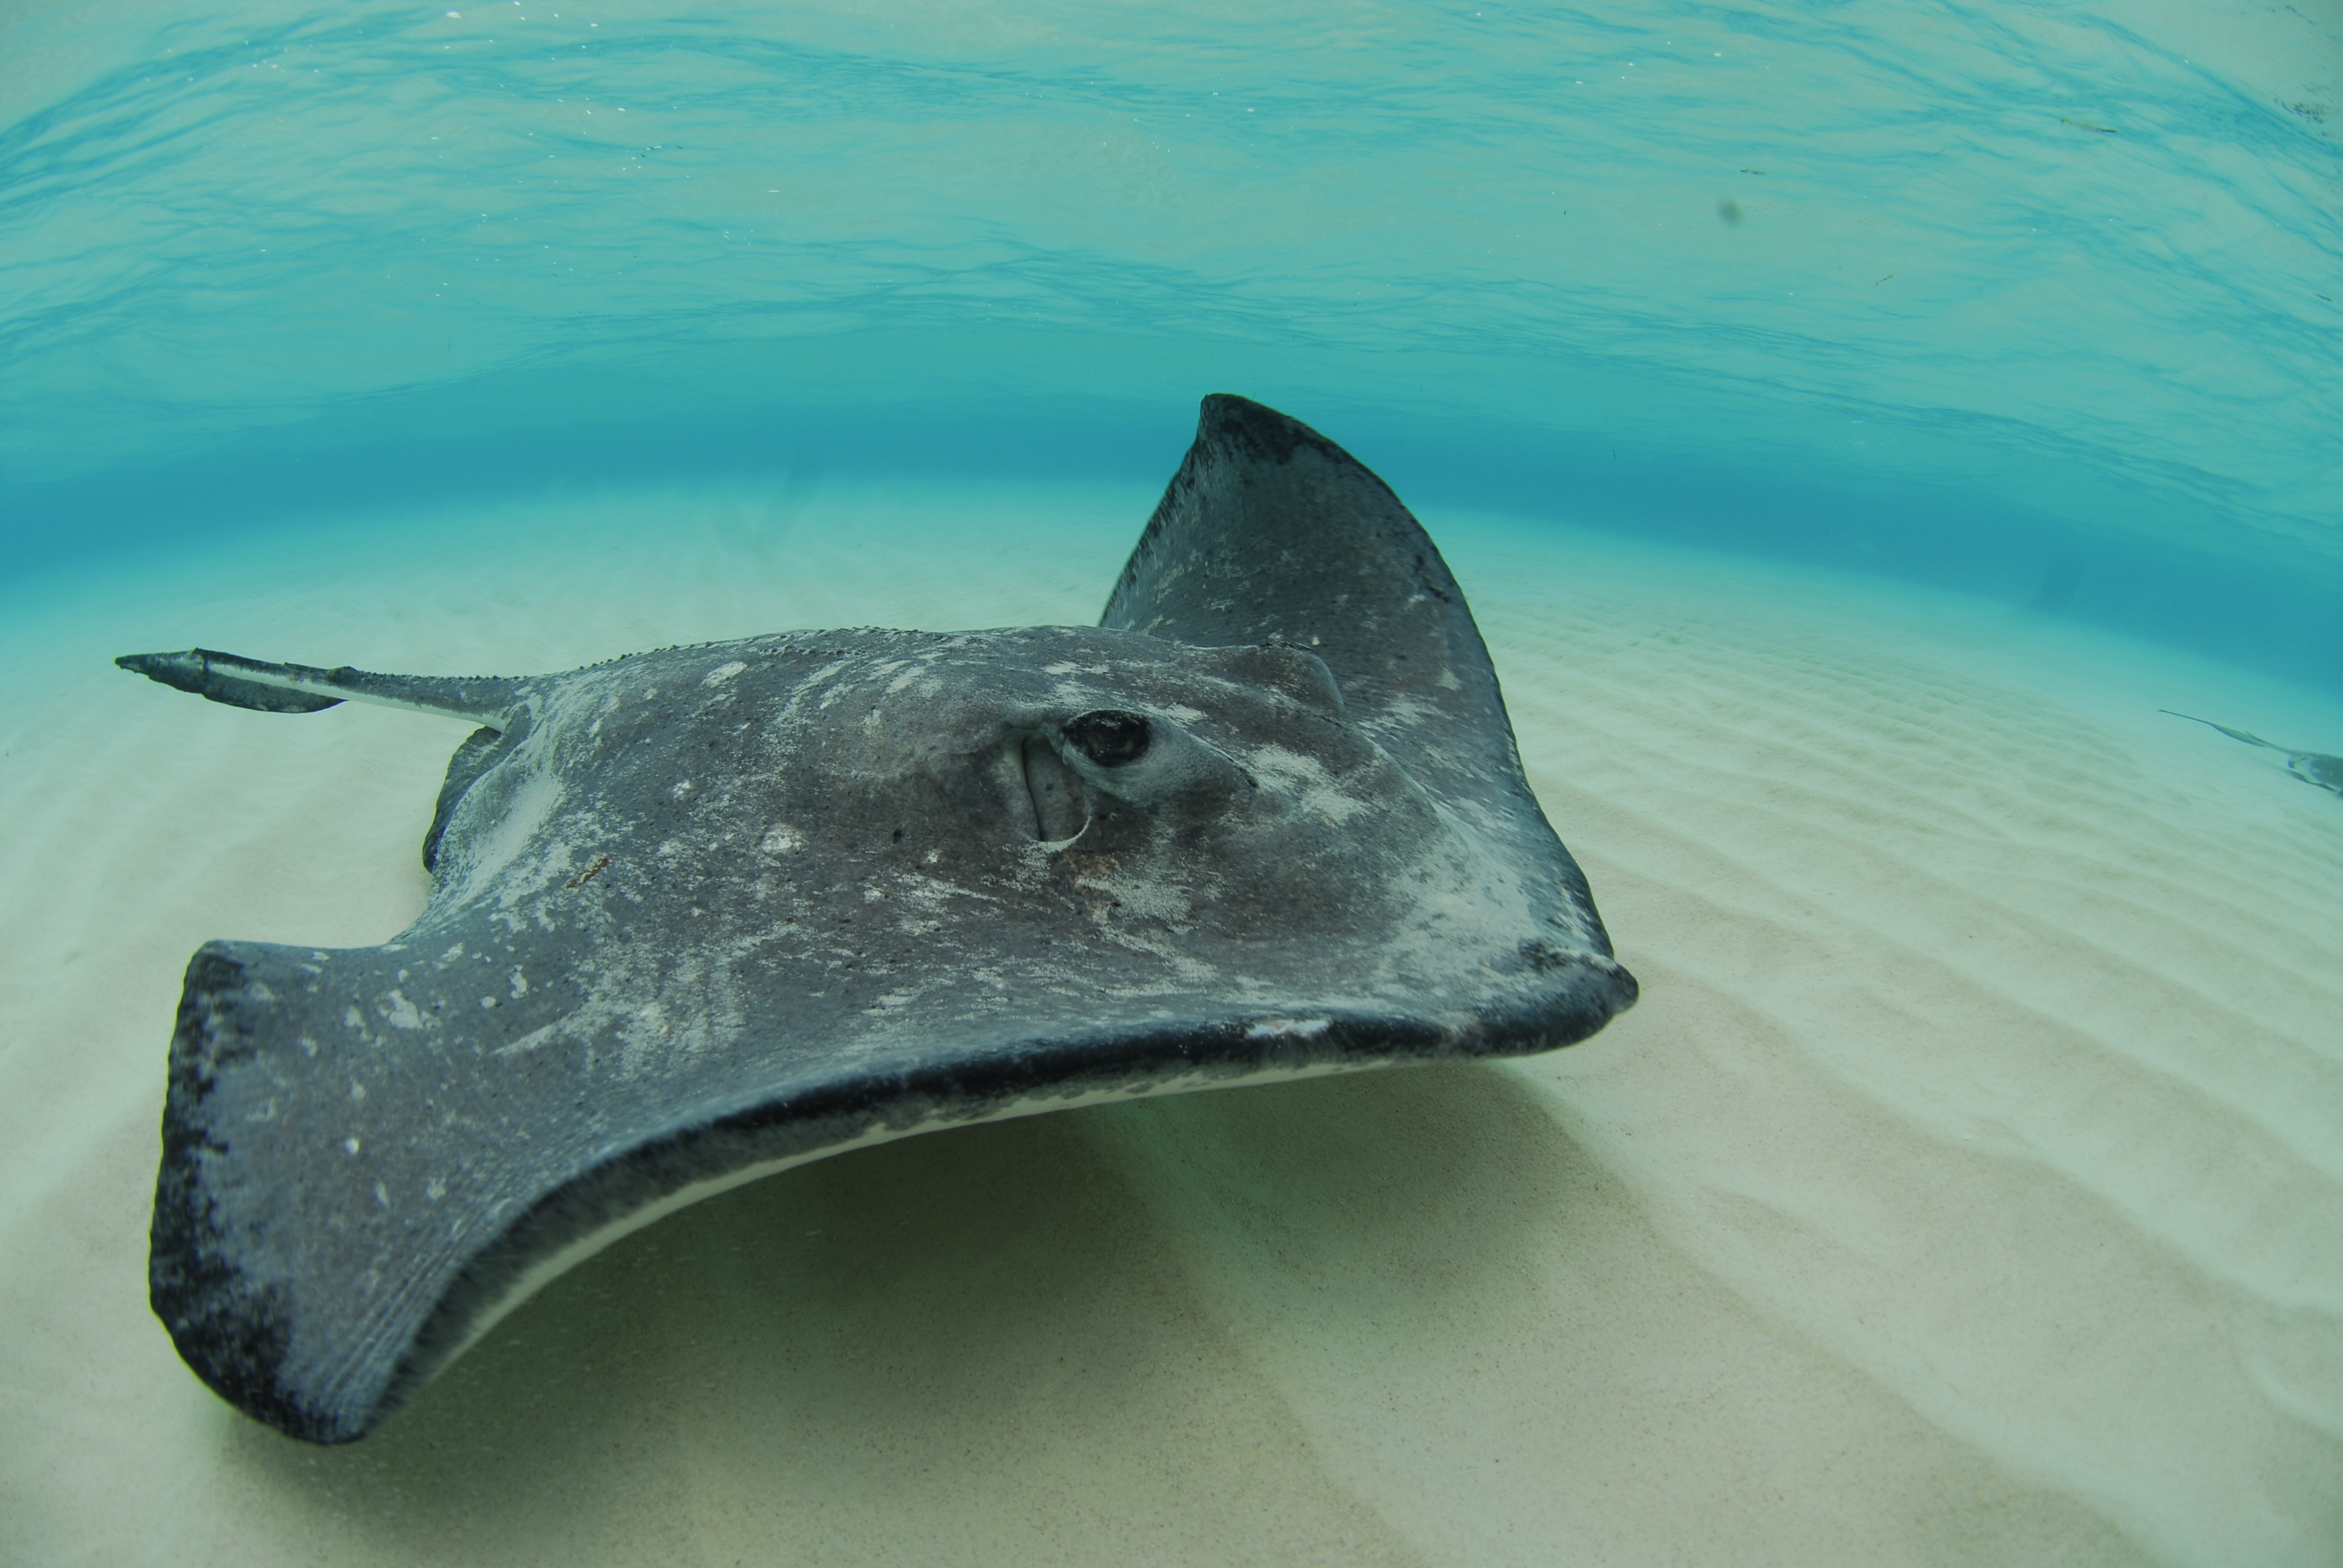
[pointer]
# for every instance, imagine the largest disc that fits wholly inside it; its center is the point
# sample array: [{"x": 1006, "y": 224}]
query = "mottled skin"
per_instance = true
[{"x": 707, "y": 909}]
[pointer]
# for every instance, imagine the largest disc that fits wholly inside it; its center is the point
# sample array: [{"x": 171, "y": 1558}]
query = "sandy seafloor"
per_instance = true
[{"x": 1967, "y": 1188}]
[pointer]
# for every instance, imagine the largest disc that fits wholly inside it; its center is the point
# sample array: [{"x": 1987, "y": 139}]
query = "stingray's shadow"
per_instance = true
[{"x": 890, "y": 1307}]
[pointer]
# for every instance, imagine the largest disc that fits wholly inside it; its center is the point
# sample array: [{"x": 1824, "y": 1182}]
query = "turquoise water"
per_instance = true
[
  {"x": 1829, "y": 410},
  {"x": 2033, "y": 301}
]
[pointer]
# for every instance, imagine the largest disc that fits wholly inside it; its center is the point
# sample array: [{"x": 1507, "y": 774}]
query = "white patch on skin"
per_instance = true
[
  {"x": 683, "y": 788},
  {"x": 554, "y": 864},
  {"x": 531, "y": 806},
  {"x": 534, "y": 1038},
  {"x": 1152, "y": 898},
  {"x": 401, "y": 1013},
  {"x": 519, "y": 984},
  {"x": 1405, "y": 711},
  {"x": 659, "y": 1015},
  {"x": 645, "y": 1032},
  {"x": 827, "y": 672},
  {"x": 780, "y": 841},
  {"x": 1167, "y": 903},
  {"x": 722, "y": 673},
  {"x": 1304, "y": 778},
  {"x": 1289, "y": 1029},
  {"x": 930, "y": 893},
  {"x": 1192, "y": 971}
]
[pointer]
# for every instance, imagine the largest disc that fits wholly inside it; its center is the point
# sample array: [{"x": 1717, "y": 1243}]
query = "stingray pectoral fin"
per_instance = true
[
  {"x": 370, "y": 1155},
  {"x": 1271, "y": 534},
  {"x": 267, "y": 688},
  {"x": 297, "y": 1323},
  {"x": 352, "y": 1175}
]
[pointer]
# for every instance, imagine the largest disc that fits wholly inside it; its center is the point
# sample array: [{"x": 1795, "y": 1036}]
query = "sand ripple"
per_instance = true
[
  {"x": 1965, "y": 1188},
  {"x": 1990, "y": 1036}
]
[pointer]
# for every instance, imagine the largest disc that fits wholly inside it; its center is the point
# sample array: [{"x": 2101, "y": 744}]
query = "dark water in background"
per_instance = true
[{"x": 2038, "y": 302}]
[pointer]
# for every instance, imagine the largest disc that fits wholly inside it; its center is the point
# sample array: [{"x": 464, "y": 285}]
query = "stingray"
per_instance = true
[
  {"x": 702, "y": 914},
  {"x": 2310, "y": 766}
]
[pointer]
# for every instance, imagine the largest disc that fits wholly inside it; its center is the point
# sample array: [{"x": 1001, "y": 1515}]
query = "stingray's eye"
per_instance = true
[{"x": 1108, "y": 739}]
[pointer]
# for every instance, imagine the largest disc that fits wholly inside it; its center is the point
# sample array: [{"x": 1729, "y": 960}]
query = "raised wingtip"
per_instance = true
[
  {"x": 1228, "y": 421},
  {"x": 1222, "y": 406}
]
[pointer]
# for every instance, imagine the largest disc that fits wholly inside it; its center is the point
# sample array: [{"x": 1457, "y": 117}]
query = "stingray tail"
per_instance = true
[
  {"x": 2232, "y": 734},
  {"x": 300, "y": 689}
]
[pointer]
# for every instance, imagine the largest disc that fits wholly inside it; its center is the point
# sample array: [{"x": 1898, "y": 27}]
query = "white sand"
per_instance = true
[{"x": 1965, "y": 1188}]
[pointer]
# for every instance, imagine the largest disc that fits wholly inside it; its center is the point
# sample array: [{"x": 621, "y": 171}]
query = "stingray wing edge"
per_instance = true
[{"x": 299, "y": 1350}]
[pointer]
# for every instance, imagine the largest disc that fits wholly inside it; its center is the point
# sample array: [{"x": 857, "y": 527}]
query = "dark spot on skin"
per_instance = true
[
  {"x": 1108, "y": 739},
  {"x": 601, "y": 862},
  {"x": 1424, "y": 578},
  {"x": 899, "y": 835}
]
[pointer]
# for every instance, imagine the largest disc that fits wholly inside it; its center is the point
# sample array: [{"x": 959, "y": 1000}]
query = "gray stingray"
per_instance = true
[
  {"x": 2310, "y": 766},
  {"x": 702, "y": 914}
]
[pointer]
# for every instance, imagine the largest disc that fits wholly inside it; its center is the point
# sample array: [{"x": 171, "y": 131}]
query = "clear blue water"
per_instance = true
[
  {"x": 2034, "y": 301},
  {"x": 1962, "y": 1187}
]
